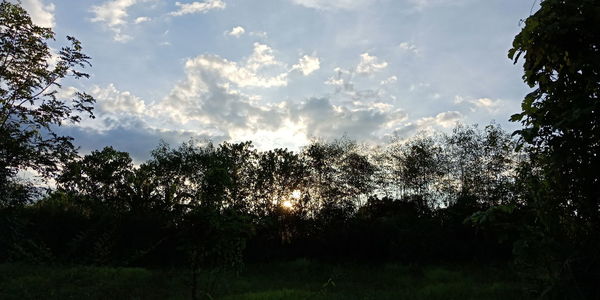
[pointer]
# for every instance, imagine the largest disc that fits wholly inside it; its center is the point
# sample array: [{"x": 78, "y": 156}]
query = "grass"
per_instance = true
[{"x": 299, "y": 279}]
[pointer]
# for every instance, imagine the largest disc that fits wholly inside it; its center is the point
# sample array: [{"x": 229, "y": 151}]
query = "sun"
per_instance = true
[
  {"x": 287, "y": 204},
  {"x": 292, "y": 198}
]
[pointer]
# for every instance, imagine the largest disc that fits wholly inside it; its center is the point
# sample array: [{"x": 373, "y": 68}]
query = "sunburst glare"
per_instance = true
[{"x": 287, "y": 204}]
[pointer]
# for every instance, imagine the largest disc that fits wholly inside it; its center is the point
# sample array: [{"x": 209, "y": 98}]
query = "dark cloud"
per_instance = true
[
  {"x": 323, "y": 119},
  {"x": 138, "y": 141}
]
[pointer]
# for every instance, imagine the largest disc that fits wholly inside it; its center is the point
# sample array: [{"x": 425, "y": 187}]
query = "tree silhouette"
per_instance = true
[
  {"x": 30, "y": 105},
  {"x": 560, "y": 45}
]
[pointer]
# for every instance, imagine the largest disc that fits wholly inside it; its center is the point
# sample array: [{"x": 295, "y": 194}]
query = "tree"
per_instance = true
[
  {"x": 31, "y": 107},
  {"x": 560, "y": 45},
  {"x": 419, "y": 164},
  {"x": 103, "y": 176},
  {"x": 482, "y": 164},
  {"x": 277, "y": 175}
]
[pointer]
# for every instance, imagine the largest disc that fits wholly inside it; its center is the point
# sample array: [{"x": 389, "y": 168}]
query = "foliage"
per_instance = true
[
  {"x": 31, "y": 103},
  {"x": 104, "y": 175},
  {"x": 560, "y": 46},
  {"x": 214, "y": 206}
]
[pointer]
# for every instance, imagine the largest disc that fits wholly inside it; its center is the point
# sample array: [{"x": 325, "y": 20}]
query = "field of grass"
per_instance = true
[{"x": 300, "y": 279}]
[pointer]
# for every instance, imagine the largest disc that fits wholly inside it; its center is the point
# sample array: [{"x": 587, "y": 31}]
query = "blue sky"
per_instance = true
[{"x": 280, "y": 72}]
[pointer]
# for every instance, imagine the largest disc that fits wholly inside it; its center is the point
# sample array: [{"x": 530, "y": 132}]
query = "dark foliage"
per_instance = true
[
  {"x": 208, "y": 206},
  {"x": 560, "y": 45}
]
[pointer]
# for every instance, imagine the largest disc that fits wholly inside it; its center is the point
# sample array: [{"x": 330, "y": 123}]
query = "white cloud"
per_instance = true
[
  {"x": 113, "y": 14},
  {"x": 197, "y": 7},
  {"x": 109, "y": 100},
  {"x": 262, "y": 56},
  {"x": 140, "y": 20},
  {"x": 490, "y": 105},
  {"x": 209, "y": 98},
  {"x": 41, "y": 14},
  {"x": 246, "y": 74},
  {"x": 217, "y": 98},
  {"x": 236, "y": 31},
  {"x": 242, "y": 76},
  {"x": 334, "y": 4},
  {"x": 409, "y": 47},
  {"x": 389, "y": 80},
  {"x": 445, "y": 120},
  {"x": 307, "y": 64},
  {"x": 370, "y": 64},
  {"x": 67, "y": 93},
  {"x": 288, "y": 134}
]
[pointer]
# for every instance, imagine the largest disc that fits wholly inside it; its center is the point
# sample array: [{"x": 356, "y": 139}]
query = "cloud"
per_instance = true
[
  {"x": 242, "y": 75},
  {"x": 138, "y": 139},
  {"x": 345, "y": 87},
  {"x": 289, "y": 134},
  {"x": 221, "y": 99},
  {"x": 236, "y": 31},
  {"x": 409, "y": 47},
  {"x": 197, "y": 7},
  {"x": 40, "y": 13},
  {"x": 344, "y": 80},
  {"x": 113, "y": 14},
  {"x": 209, "y": 96},
  {"x": 140, "y": 20},
  {"x": 324, "y": 119},
  {"x": 307, "y": 64},
  {"x": 445, "y": 119},
  {"x": 261, "y": 56},
  {"x": 389, "y": 80},
  {"x": 370, "y": 64},
  {"x": 334, "y": 4},
  {"x": 429, "y": 124},
  {"x": 490, "y": 105},
  {"x": 109, "y": 100}
]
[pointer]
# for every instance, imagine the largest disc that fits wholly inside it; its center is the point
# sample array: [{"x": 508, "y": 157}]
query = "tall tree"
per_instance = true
[
  {"x": 418, "y": 164},
  {"x": 30, "y": 105},
  {"x": 560, "y": 45}
]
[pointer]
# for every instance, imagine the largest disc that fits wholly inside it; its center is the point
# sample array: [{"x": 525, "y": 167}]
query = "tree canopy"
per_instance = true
[
  {"x": 560, "y": 47},
  {"x": 32, "y": 101}
]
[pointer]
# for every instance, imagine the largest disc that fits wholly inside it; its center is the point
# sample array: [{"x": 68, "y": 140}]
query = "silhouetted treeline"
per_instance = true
[{"x": 409, "y": 200}]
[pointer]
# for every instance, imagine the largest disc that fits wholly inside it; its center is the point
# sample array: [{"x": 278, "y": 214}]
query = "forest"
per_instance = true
[{"x": 527, "y": 203}]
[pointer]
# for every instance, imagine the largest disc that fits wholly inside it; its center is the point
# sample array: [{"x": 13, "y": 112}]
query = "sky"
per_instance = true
[{"x": 281, "y": 72}]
